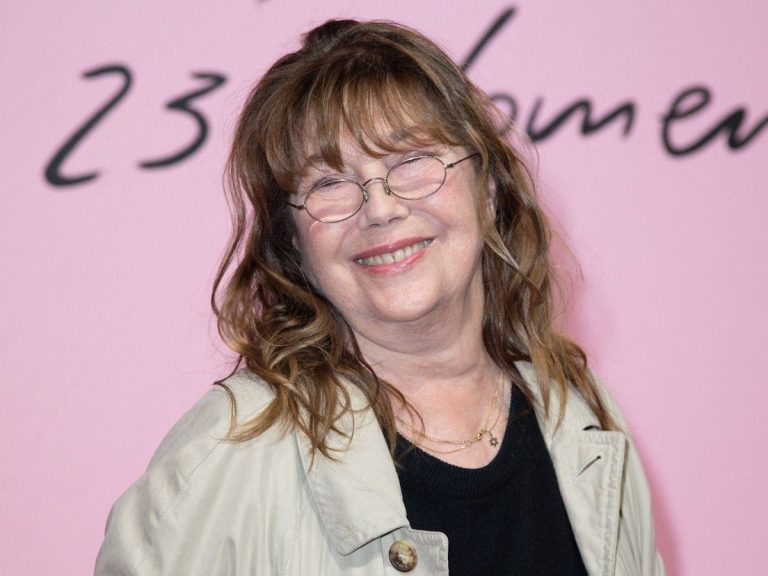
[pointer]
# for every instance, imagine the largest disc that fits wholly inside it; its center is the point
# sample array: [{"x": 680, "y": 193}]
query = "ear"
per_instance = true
[{"x": 490, "y": 200}]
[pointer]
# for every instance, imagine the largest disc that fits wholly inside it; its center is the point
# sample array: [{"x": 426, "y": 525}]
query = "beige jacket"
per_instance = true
[{"x": 206, "y": 507}]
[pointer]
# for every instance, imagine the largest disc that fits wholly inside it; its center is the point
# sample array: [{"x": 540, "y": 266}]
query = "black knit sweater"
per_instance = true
[{"x": 505, "y": 518}]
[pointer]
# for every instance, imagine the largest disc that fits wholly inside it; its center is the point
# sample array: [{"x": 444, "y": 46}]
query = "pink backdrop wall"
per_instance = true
[{"x": 105, "y": 333}]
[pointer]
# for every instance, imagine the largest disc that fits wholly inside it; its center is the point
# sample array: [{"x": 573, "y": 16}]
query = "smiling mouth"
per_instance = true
[{"x": 396, "y": 256}]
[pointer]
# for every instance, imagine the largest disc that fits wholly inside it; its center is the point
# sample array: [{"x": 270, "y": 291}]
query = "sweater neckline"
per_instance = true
[{"x": 424, "y": 473}]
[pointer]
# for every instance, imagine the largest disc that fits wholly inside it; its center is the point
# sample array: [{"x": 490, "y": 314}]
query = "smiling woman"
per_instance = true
[
  {"x": 388, "y": 291},
  {"x": 400, "y": 258}
]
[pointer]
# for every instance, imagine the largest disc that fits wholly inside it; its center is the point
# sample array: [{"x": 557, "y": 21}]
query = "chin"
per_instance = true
[{"x": 412, "y": 311}]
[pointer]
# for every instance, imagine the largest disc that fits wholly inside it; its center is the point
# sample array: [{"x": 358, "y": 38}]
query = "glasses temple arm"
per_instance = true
[{"x": 452, "y": 164}]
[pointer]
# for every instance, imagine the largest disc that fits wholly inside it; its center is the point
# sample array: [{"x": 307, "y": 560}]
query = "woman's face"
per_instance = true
[{"x": 396, "y": 261}]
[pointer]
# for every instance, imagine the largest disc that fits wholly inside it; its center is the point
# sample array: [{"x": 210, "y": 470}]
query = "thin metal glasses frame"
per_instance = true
[{"x": 384, "y": 180}]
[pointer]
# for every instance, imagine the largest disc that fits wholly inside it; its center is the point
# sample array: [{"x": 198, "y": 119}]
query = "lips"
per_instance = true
[{"x": 392, "y": 254}]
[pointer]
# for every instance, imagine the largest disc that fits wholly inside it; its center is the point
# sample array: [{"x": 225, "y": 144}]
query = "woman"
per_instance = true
[{"x": 406, "y": 406}]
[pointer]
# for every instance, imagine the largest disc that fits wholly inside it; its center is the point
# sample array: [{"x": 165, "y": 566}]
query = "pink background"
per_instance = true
[{"x": 105, "y": 331}]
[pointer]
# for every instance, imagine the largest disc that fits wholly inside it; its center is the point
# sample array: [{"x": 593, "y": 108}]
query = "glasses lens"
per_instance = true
[
  {"x": 334, "y": 201},
  {"x": 416, "y": 178}
]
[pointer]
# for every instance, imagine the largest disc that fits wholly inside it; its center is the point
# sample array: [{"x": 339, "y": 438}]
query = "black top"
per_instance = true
[{"x": 505, "y": 518}]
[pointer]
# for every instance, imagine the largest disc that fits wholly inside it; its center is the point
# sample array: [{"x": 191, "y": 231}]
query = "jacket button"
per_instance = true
[{"x": 402, "y": 556}]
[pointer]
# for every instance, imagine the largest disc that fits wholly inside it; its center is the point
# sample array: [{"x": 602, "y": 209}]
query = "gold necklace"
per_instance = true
[{"x": 486, "y": 430}]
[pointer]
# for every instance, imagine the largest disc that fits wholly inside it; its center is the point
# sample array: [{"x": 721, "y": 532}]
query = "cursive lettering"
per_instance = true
[{"x": 690, "y": 102}]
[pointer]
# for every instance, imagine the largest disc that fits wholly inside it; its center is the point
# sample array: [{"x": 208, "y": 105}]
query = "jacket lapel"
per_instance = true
[
  {"x": 589, "y": 463},
  {"x": 357, "y": 494},
  {"x": 589, "y": 469}
]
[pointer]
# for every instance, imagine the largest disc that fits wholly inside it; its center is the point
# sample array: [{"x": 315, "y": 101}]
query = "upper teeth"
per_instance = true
[{"x": 396, "y": 256}]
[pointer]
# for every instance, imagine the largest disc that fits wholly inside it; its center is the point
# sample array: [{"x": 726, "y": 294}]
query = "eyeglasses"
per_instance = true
[{"x": 414, "y": 178}]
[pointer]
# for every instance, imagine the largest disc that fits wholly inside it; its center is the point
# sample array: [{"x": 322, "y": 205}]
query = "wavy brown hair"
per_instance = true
[{"x": 381, "y": 84}]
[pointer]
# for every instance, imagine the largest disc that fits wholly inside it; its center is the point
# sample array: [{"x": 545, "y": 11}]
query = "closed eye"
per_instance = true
[
  {"x": 416, "y": 153},
  {"x": 328, "y": 185}
]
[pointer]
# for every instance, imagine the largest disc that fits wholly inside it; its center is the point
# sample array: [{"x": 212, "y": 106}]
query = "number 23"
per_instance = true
[{"x": 183, "y": 104}]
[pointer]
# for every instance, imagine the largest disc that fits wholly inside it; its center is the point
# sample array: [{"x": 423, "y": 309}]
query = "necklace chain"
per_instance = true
[{"x": 486, "y": 430}]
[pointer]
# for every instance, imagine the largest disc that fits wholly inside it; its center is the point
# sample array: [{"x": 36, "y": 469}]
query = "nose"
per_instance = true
[{"x": 381, "y": 206}]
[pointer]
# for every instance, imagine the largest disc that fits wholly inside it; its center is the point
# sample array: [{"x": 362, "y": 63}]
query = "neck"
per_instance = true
[
  {"x": 459, "y": 363},
  {"x": 441, "y": 367},
  {"x": 439, "y": 352}
]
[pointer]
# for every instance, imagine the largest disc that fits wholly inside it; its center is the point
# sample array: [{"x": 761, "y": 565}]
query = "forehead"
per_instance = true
[
  {"x": 384, "y": 143},
  {"x": 376, "y": 117}
]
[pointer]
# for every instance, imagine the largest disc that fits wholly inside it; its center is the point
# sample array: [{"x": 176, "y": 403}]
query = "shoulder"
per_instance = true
[
  {"x": 198, "y": 441},
  {"x": 198, "y": 478},
  {"x": 206, "y": 424},
  {"x": 577, "y": 415}
]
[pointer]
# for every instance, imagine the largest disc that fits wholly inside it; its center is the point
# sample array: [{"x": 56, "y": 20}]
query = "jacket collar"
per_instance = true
[
  {"x": 358, "y": 497},
  {"x": 589, "y": 463},
  {"x": 357, "y": 494}
]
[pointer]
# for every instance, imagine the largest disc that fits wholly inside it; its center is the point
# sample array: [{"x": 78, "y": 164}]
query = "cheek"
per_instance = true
[
  {"x": 309, "y": 273},
  {"x": 315, "y": 246},
  {"x": 308, "y": 262},
  {"x": 303, "y": 246}
]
